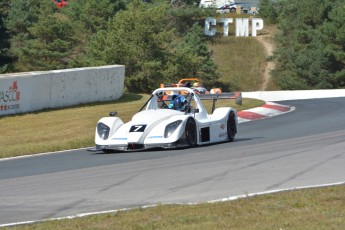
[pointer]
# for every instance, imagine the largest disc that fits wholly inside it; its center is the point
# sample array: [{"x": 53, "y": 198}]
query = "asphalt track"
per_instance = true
[{"x": 301, "y": 148}]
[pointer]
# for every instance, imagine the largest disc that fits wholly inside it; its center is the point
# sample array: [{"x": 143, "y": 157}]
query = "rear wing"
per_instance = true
[{"x": 233, "y": 95}]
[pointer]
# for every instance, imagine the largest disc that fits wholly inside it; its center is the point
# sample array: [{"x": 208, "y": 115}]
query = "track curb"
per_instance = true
[{"x": 270, "y": 109}]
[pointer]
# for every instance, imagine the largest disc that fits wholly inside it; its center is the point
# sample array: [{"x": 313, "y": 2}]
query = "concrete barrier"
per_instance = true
[
  {"x": 294, "y": 94},
  {"x": 33, "y": 91}
]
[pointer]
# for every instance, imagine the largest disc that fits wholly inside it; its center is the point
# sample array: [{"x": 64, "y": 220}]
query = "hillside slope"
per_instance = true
[{"x": 243, "y": 61}]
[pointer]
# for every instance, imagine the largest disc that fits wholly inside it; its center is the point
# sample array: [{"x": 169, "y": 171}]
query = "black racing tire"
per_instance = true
[
  {"x": 191, "y": 132},
  {"x": 107, "y": 151},
  {"x": 233, "y": 10},
  {"x": 231, "y": 127}
]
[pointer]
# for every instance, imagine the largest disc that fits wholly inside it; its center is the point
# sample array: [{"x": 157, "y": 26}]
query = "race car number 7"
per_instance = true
[{"x": 137, "y": 128}]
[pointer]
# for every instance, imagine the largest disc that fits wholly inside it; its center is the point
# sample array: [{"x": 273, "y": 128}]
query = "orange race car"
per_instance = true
[{"x": 195, "y": 84}]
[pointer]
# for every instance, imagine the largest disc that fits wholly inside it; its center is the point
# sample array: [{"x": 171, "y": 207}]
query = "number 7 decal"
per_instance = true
[{"x": 137, "y": 128}]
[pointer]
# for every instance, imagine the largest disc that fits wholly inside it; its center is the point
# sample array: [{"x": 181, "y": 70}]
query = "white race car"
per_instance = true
[{"x": 169, "y": 120}]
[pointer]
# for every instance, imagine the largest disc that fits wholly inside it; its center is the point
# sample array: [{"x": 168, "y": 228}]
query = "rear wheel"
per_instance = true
[
  {"x": 231, "y": 127},
  {"x": 190, "y": 132}
]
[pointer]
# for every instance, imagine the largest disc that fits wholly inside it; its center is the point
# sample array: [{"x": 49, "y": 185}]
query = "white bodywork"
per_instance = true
[
  {"x": 219, "y": 4},
  {"x": 149, "y": 127}
]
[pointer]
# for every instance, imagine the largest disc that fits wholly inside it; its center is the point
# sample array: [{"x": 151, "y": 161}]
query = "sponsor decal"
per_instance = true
[
  {"x": 119, "y": 138},
  {"x": 9, "y": 98}
]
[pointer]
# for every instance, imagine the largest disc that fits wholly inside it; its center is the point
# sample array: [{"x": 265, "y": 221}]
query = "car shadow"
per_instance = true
[{"x": 94, "y": 151}]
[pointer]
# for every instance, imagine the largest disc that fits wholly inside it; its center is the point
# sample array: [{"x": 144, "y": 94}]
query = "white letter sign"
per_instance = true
[
  {"x": 209, "y": 21},
  {"x": 257, "y": 24},
  {"x": 226, "y": 22},
  {"x": 242, "y": 27}
]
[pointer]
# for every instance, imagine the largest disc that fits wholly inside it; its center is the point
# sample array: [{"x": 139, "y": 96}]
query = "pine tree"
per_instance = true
[
  {"x": 334, "y": 29},
  {"x": 93, "y": 15},
  {"x": 42, "y": 37},
  {"x": 136, "y": 38},
  {"x": 191, "y": 58},
  {"x": 144, "y": 39},
  {"x": 5, "y": 60},
  {"x": 310, "y": 52},
  {"x": 21, "y": 16},
  {"x": 88, "y": 18}
]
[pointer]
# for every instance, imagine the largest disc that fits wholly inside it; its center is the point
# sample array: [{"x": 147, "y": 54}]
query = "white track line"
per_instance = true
[
  {"x": 41, "y": 154},
  {"x": 150, "y": 206}
]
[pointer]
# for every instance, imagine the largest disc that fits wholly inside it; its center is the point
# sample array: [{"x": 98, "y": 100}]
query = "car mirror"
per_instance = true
[
  {"x": 195, "y": 110},
  {"x": 113, "y": 114}
]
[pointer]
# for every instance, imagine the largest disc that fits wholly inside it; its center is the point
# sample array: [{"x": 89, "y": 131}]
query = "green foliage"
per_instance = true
[
  {"x": 93, "y": 15},
  {"x": 334, "y": 30},
  {"x": 42, "y": 44},
  {"x": 88, "y": 18},
  {"x": 310, "y": 52},
  {"x": 184, "y": 3},
  {"x": 144, "y": 39},
  {"x": 5, "y": 60},
  {"x": 183, "y": 17},
  {"x": 193, "y": 58},
  {"x": 22, "y": 15},
  {"x": 44, "y": 37},
  {"x": 136, "y": 38},
  {"x": 157, "y": 42},
  {"x": 269, "y": 9},
  {"x": 51, "y": 46}
]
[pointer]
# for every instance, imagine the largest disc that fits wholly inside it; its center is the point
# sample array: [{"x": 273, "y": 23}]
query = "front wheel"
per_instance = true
[
  {"x": 231, "y": 127},
  {"x": 190, "y": 132}
]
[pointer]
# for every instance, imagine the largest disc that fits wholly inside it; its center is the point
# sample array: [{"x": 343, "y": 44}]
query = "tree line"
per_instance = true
[
  {"x": 157, "y": 41},
  {"x": 311, "y": 42},
  {"x": 162, "y": 41}
]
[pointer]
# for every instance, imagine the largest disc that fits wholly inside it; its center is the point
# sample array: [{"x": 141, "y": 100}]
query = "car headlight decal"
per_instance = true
[
  {"x": 170, "y": 128},
  {"x": 103, "y": 131}
]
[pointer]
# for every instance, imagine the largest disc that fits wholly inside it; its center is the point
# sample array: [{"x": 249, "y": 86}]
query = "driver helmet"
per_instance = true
[
  {"x": 196, "y": 84},
  {"x": 178, "y": 102},
  {"x": 200, "y": 90}
]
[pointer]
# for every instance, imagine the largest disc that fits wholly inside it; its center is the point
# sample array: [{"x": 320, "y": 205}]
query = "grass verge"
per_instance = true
[
  {"x": 241, "y": 64},
  {"x": 241, "y": 61},
  {"x": 71, "y": 128},
  {"x": 321, "y": 208}
]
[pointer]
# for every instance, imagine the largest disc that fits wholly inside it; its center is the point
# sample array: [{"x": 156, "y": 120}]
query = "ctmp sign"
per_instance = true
[{"x": 242, "y": 26}]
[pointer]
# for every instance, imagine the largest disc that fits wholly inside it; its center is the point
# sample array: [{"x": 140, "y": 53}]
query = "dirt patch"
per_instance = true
[{"x": 266, "y": 38}]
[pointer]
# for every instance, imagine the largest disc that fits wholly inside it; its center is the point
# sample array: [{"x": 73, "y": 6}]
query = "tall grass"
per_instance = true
[{"x": 241, "y": 61}]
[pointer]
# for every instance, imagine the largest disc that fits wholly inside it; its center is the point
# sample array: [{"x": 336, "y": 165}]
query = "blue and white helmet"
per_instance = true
[{"x": 178, "y": 102}]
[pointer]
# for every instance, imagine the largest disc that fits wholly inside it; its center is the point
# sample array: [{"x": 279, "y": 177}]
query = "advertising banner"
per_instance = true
[{"x": 15, "y": 95}]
